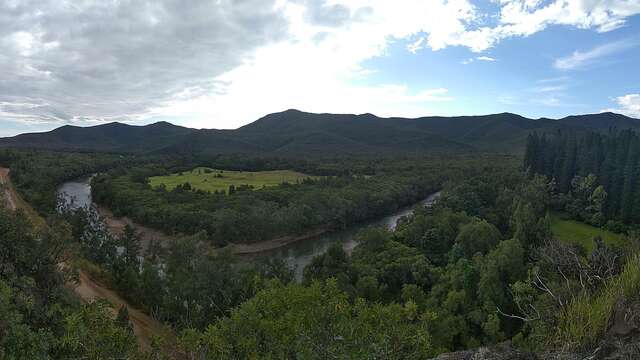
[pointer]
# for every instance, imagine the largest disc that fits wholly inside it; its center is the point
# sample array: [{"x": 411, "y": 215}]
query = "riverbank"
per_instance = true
[
  {"x": 273, "y": 244},
  {"x": 297, "y": 251},
  {"x": 116, "y": 226}
]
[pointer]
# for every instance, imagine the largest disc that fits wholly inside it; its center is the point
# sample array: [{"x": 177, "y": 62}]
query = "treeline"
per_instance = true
[
  {"x": 611, "y": 159},
  {"x": 290, "y": 209},
  {"x": 37, "y": 174}
]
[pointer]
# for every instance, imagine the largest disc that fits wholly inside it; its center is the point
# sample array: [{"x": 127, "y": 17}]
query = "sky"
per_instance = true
[{"x": 225, "y": 63}]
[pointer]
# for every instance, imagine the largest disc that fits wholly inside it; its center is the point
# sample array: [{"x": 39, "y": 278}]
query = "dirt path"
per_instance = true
[
  {"x": 8, "y": 194},
  {"x": 12, "y": 200},
  {"x": 144, "y": 327}
]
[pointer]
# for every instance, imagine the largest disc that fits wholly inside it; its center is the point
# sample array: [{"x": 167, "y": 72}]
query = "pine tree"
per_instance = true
[{"x": 130, "y": 242}]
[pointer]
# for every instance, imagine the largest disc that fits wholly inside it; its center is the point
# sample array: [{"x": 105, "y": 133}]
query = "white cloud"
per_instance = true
[
  {"x": 478, "y": 58},
  {"x": 97, "y": 60},
  {"x": 315, "y": 73},
  {"x": 549, "y": 101},
  {"x": 521, "y": 18},
  {"x": 553, "y": 80},
  {"x": 581, "y": 59},
  {"x": 232, "y": 62},
  {"x": 627, "y": 105},
  {"x": 297, "y": 76},
  {"x": 527, "y": 17},
  {"x": 549, "y": 88}
]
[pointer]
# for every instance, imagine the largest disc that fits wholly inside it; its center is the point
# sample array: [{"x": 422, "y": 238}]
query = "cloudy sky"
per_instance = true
[{"x": 225, "y": 63}]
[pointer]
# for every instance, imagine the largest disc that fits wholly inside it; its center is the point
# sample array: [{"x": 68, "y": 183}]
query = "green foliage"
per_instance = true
[
  {"x": 467, "y": 288},
  {"x": 478, "y": 236},
  {"x": 317, "y": 322},
  {"x": 39, "y": 319},
  {"x": 583, "y": 323},
  {"x": 599, "y": 172},
  {"x": 392, "y": 264},
  {"x": 332, "y": 264},
  {"x": 287, "y": 209},
  {"x": 504, "y": 265},
  {"x": 19, "y": 340},
  {"x": 586, "y": 200},
  {"x": 433, "y": 233},
  {"x": 91, "y": 333}
]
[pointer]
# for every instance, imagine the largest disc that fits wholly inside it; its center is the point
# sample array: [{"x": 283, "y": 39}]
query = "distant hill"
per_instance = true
[
  {"x": 296, "y": 133},
  {"x": 112, "y": 137}
]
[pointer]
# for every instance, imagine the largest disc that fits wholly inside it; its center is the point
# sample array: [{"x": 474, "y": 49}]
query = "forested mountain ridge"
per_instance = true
[
  {"x": 111, "y": 137},
  {"x": 296, "y": 133}
]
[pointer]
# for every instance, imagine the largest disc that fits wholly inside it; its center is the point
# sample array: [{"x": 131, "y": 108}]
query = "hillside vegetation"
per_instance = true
[{"x": 299, "y": 134}]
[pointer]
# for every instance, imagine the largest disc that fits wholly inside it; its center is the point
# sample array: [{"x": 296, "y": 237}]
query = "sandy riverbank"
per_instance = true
[{"x": 262, "y": 246}]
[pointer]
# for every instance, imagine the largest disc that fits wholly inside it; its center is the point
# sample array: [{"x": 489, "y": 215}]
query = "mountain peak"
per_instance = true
[
  {"x": 163, "y": 124},
  {"x": 291, "y": 111},
  {"x": 369, "y": 116}
]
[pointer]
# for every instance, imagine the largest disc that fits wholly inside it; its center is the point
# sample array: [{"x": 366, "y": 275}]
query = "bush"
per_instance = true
[{"x": 585, "y": 320}]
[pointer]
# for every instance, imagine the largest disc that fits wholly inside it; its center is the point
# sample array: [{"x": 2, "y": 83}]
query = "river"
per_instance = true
[
  {"x": 298, "y": 254},
  {"x": 77, "y": 193}
]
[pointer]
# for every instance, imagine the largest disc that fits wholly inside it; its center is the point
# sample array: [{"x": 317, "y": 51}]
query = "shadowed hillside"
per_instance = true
[
  {"x": 112, "y": 137},
  {"x": 296, "y": 133}
]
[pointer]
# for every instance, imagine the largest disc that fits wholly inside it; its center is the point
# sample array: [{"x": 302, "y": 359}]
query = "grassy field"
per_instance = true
[
  {"x": 579, "y": 233},
  {"x": 211, "y": 179}
]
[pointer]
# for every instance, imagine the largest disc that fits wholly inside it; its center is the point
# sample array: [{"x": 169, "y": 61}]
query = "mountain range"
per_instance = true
[{"x": 296, "y": 133}]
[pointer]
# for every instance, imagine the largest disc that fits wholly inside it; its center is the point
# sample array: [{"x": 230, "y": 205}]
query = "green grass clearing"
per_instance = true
[
  {"x": 579, "y": 233},
  {"x": 208, "y": 179}
]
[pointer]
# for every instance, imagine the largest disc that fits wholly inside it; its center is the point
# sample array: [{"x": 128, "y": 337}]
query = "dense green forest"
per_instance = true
[
  {"x": 479, "y": 267},
  {"x": 597, "y": 173},
  {"x": 350, "y": 193}
]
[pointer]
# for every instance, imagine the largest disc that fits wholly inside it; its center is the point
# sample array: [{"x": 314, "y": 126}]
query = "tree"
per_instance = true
[
  {"x": 525, "y": 225},
  {"x": 317, "y": 322},
  {"x": 18, "y": 340},
  {"x": 503, "y": 266},
  {"x": 90, "y": 333},
  {"x": 130, "y": 242},
  {"x": 122, "y": 319},
  {"x": 333, "y": 263},
  {"x": 477, "y": 236}
]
